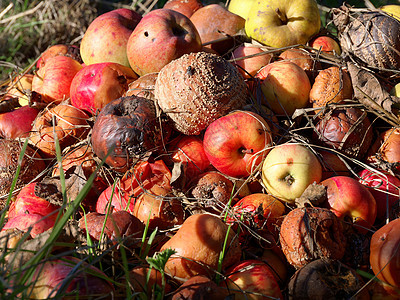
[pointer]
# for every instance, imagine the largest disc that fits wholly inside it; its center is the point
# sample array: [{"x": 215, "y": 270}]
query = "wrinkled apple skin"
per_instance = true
[
  {"x": 106, "y": 38},
  {"x": 98, "y": 84},
  {"x": 53, "y": 81},
  {"x": 348, "y": 197},
  {"x": 237, "y": 143},
  {"x": 289, "y": 169},
  {"x": 160, "y": 37},
  {"x": 296, "y": 22}
]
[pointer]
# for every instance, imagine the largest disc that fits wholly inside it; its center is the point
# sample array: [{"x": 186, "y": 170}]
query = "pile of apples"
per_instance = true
[{"x": 291, "y": 182}]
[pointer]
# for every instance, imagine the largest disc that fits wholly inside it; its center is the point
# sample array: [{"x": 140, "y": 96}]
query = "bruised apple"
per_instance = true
[
  {"x": 237, "y": 143},
  {"x": 198, "y": 243},
  {"x": 98, "y": 84},
  {"x": 349, "y": 198}
]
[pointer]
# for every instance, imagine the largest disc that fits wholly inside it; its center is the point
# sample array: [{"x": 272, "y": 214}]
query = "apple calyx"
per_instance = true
[
  {"x": 243, "y": 151},
  {"x": 289, "y": 179},
  {"x": 281, "y": 16}
]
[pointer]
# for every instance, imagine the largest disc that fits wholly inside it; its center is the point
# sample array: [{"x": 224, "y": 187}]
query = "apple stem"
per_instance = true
[
  {"x": 246, "y": 151},
  {"x": 281, "y": 16}
]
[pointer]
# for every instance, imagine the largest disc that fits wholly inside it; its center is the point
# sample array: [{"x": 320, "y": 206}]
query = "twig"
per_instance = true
[
  {"x": 6, "y": 10},
  {"x": 22, "y": 14}
]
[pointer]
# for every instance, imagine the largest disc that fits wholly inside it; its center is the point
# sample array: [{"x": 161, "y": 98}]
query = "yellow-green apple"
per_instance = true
[
  {"x": 237, "y": 143},
  {"x": 326, "y": 44},
  {"x": 240, "y": 7},
  {"x": 17, "y": 123},
  {"x": 348, "y": 198},
  {"x": 215, "y": 22},
  {"x": 160, "y": 37},
  {"x": 98, "y": 84},
  {"x": 59, "y": 49},
  {"x": 392, "y": 9},
  {"x": 285, "y": 86},
  {"x": 53, "y": 81},
  {"x": 282, "y": 23},
  {"x": 245, "y": 61},
  {"x": 249, "y": 279},
  {"x": 106, "y": 38},
  {"x": 20, "y": 87},
  {"x": 185, "y": 7},
  {"x": 384, "y": 187},
  {"x": 288, "y": 169}
]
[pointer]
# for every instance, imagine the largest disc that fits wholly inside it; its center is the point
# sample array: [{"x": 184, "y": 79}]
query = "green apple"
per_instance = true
[
  {"x": 240, "y": 7},
  {"x": 281, "y": 23},
  {"x": 289, "y": 169},
  {"x": 392, "y": 9}
]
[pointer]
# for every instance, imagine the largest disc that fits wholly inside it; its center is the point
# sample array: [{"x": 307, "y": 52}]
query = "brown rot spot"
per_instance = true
[{"x": 289, "y": 161}]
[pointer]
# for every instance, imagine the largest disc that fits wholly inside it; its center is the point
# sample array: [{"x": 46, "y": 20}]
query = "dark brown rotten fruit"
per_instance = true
[
  {"x": 347, "y": 130},
  {"x": 127, "y": 129},
  {"x": 326, "y": 279},
  {"x": 31, "y": 167},
  {"x": 309, "y": 233},
  {"x": 198, "y": 88},
  {"x": 371, "y": 36}
]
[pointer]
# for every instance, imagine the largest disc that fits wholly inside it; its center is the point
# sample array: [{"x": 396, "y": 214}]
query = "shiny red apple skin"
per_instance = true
[
  {"x": 17, "y": 123},
  {"x": 34, "y": 222},
  {"x": 235, "y": 144},
  {"x": 106, "y": 38},
  {"x": 252, "y": 276},
  {"x": 384, "y": 187},
  {"x": 98, "y": 84},
  {"x": 348, "y": 197},
  {"x": 53, "y": 81},
  {"x": 27, "y": 202},
  {"x": 326, "y": 44},
  {"x": 160, "y": 37},
  {"x": 189, "y": 151}
]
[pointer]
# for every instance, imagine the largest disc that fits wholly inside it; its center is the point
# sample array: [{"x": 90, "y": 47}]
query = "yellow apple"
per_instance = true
[
  {"x": 281, "y": 23},
  {"x": 392, "y": 9},
  {"x": 240, "y": 7}
]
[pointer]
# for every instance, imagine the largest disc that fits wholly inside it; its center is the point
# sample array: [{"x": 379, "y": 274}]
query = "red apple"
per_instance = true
[
  {"x": 252, "y": 276},
  {"x": 326, "y": 44},
  {"x": 349, "y": 198},
  {"x": 34, "y": 223},
  {"x": 53, "y": 81},
  {"x": 289, "y": 169},
  {"x": 56, "y": 50},
  {"x": 247, "y": 64},
  {"x": 17, "y": 123},
  {"x": 69, "y": 276},
  {"x": 237, "y": 143},
  {"x": 160, "y": 37},
  {"x": 27, "y": 202},
  {"x": 185, "y": 7},
  {"x": 106, "y": 37},
  {"x": 285, "y": 86},
  {"x": 189, "y": 151},
  {"x": 385, "y": 189},
  {"x": 333, "y": 164},
  {"x": 98, "y": 84}
]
